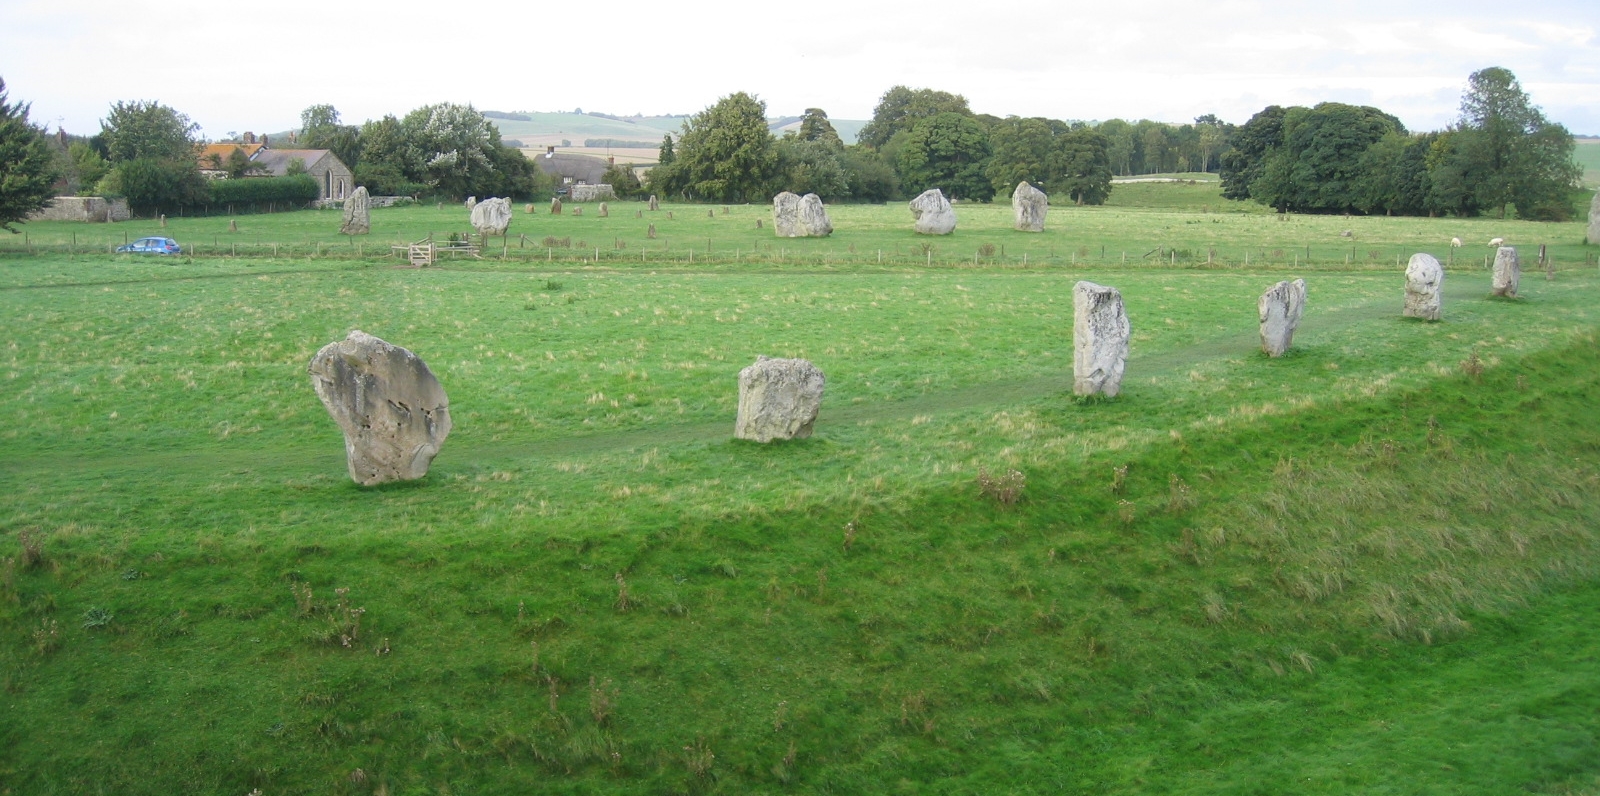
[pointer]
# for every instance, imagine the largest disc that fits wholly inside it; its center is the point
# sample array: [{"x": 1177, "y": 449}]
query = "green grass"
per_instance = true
[
  {"x": 1355, "y": 568},
  {"x": 1588, "y": 156}
]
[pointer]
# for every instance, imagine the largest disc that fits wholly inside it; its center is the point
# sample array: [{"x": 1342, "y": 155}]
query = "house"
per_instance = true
[
  {"x": 571, "y": 168},
  {"x": 334, "y": 179}
]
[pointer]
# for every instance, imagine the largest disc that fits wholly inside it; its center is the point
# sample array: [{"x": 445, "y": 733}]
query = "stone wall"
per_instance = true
[
  {"x": 374, "y": 201},
  {"x": 93, "y": 209}
]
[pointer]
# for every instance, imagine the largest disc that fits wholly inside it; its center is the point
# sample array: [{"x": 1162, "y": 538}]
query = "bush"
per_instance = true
[{"x": 256, "y": 192}]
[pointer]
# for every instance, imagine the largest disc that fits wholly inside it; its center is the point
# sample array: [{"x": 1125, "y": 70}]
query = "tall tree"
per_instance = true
[
  {"x": 1515, "y": 156},
  {"x": 1082, "y": 166},
  {"x": 1245, "y": 163},
  {"x": 726, "y": 153},
  {"x": 320, "y": 129},
  {"x": 814, "y": 126},
  {"x": 27, "y": 165},
  {"x": 1318, "y": 165},
  {"x": 901, "y": 108},
  {"x": 456, "y": 145},
  {"x": 147, "y": 130},
  {"x": 1023, "y": 150},
  {"x": 948, "y": 151}
]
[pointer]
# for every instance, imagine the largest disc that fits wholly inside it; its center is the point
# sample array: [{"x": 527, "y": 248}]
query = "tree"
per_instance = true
[
  {"x": 1317, "y": 166},
  {"x": 148, "y": 130},
  {"x": 623, "y": 180},
  {"x": 1081, "y": 166},
  {"x": 725, "y": 154},
  {"x": 814, "y": 126},
  {"x": 455, "y": 148},
  {"x": 1514, "y": 155},
  {"x": 1023, "y": 149},
  {"x": 388, "y": 161},
  {"x": 320, "y": 129},
  {"x": 811, "y": 166},
  {"x": 666, "y": 155},
  {"x": 900, "y": 109},
  {"x": 949, "y": 152},
  {"x": 152, "y": 185},
  {"x": 868, "y": 175},
  {"x": 27, "y": 165},
  {"x": 1245, "y": 163}
]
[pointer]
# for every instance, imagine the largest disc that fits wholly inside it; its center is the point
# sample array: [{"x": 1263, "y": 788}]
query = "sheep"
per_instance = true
[
  {"x": 1455, "y": 243},
  {"x": 1497, "y": 241}
]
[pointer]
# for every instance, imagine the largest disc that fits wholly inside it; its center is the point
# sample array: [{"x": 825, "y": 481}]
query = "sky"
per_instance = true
[{"x": 233, "y": 67}]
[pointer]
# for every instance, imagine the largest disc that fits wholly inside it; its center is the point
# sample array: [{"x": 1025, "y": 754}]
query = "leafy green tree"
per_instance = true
[
  {"x": 1392, "y": 176},
  {"x": 901, "y": 108},
  {"x": 1211, "y": 137},
  {"x": 1023, "y": 149},
  {"x": 666, "y": 155},
  {"x": 814, "y": 126},
  {"x": 1120, "y": 147},
  {"x": 1153, "y": 147},
  {"x": 27, "y": 165},
  {"x": 725, "y": 154},
  {"x": 811, "y": 166},
  {"x": 148, "y": 130},
  {"x": 87, "y": 162},
  {"x": 1081, "y": 166},
  {"x": 949, "y": 152},
  {"x": 154, "y": 185},
  {"x": 1514, "y": 155},
  {"x": 1245, "y": 163},
  {"x": 868, "y": 175},
  {"x": 320, "y": 129},
  {"x": 624, "y": 180},
  {"x": 1318, "y": 165}
]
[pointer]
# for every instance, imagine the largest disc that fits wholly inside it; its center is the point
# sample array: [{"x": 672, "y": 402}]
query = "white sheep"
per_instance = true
[
  {"x": 1496, "y": 241},
  {"x": 1455, "y": 243}
]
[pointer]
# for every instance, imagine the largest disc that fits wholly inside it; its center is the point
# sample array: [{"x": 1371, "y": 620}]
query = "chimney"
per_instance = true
[
  {"x": 249, "y": 137},
  {"x": 549, "y": 150}
]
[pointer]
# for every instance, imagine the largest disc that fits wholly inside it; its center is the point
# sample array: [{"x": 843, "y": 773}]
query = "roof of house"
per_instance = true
[
  {"x": 276, "y": 161},
  {"x": 223, "y": 151},
  {"x": 582, "y": 168}
]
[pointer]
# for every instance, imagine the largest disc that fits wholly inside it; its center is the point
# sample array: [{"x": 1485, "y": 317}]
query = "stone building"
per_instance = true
[{"x": 334, "y": 178}]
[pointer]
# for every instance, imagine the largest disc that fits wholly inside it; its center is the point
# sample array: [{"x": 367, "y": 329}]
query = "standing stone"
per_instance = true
[
  {"x": 233, "y": 225},
  {"x": 1029, "y": 206},
  {"x": 1507, "y": 272},
  {"x": 654, "y": 205},
  {"x": 472, "y": 201},
  {"x": 357, "y": 213},
  {"x": 786, "y": 215},
  {"x": 1100, "y": 333},
  {"x": 555, "y": 205},
  {"x": 1424, "y": 287},
  {"x": 163, "y": 218},
  {"x": 605, "y": 211},
  {"x": 778, "y": 399},
  {"x": 651, "y": 233},
  {"x": 492, "y": 216},
  {"x": 814, "y": 217},
  {"x": 577, "y": 211},
  {"x": 1280, "y": 309},
  {"x": 528, "y": 208},
  {"x": 1594, "y": 220},
  {"x": 393, "y": 412},
  {"x": 933, "y": 213}
]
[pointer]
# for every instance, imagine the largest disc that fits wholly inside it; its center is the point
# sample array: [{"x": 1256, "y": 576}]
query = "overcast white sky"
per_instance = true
[{"x": 243, "y": 66}]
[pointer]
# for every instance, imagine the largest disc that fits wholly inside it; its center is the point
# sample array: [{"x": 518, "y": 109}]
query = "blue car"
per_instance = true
[{"x": 152, "y": 246}]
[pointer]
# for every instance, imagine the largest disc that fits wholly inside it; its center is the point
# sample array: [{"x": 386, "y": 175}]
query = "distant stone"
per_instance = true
[
  {"x": 357, "y": 213},
  {"x": 1028, "y": 207},
  {"x": 492, "y": 216},
  {"x": 577, "y": 211},
  {"x": 528, "y": 208},
  {"x": 1100, "y": 332},
  {"x": 1507, "y": 272},
  {"x": 933, "y": 213},
  {"x": 233, "y": 225},
  {"x": 605, "y": 211},
  {"x": 778, "y": 399},
  {"x": 555, "y": 206},
  {"x": 1594, "y": 221},
  {"x": 394, "y": 414},
  {"x": 1280, "y": 309},
  {"x": 654, "y": 204},
  {"x": 1347, "y": 234},
  {"x": 651, "y": 233},
  {"x": 472, "y": 201},
  {"x": 1424, "y": 287}
]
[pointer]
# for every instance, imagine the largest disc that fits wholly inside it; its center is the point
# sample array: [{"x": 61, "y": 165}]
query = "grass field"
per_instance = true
[
  {"x": 1588, "y": 156},
  {"x": 1368, "y": 566}
]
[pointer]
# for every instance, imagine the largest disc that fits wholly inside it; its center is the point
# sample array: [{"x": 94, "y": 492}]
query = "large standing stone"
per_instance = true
[
  {"x": 1280, "y": 309},
  {"x": 1594, "y": 220},
  {"x": 778, "y": 399},
  {"x": 1424, "y": 287},
  {"x": 933, "y": 213},
  {"x": 357, "y": 213},
  {"x": 654, "y": 203},
  {"x": 800, "y": 216},
  {"x": 1507, "y": 272},
  {"x": 1029, "y": 206},
  {"x": 492, "y": 216},
  {"x": 786, "y": 215},
  {"x": 393, "y": 412},
  {"x": 1100, "y": 333},
  {"x": 814, "y": 217},
  {"x": 555, "y": 205}
]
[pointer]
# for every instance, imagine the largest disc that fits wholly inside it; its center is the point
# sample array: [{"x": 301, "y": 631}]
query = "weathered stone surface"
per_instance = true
[
  {"x": 1507, "y": 272},
  {"x": 1280, "y": 309},
  {"x": 555, "y": 206},
  {"x": 1100, "y": 333},
  {"x": 1029, "y": 206},
  {"x": 393, "y": 412},
  {"x": 1424, "y": 287},
  {"x": 492, "y": 216},
  {"x": 654, "y": 204},
  {"x": 528, "y": 208},
  {"x": 786, "y": 215},
  {"x": 814, "y": 217},
  {"x": 472, "y": 201},
  {"x": 1594, "y": 220},
  {"x": 933, "y": 213},
  {"x": 357, "y": 213},
  {"x": 605, "y": 210},
  {"x": 778, "y": 399},
  {"x": 592, "y": 192}
]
